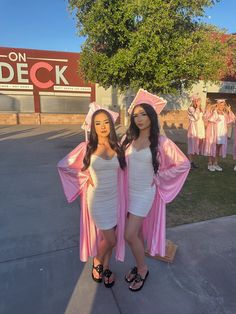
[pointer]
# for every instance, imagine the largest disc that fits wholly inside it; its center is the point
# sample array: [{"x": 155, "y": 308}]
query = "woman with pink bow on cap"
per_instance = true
[
  {"x": 94, "y": 170},
  {"x": 157, "y": 170}
]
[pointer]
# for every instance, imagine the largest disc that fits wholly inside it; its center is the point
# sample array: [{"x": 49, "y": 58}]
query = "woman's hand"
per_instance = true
[
  {"x": 90, "y": 181},
  {"x": 228, "y": 108},
  {"x": 213, "y": 108}
]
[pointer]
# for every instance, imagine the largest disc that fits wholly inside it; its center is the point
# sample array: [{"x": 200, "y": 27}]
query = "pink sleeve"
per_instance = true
[
  {"x": 213, "y": 117},
  {"x": 234, "y": 145},
  {"x": 173, "y": 169},
  {"x": 69, "y": 168},
  {"x": 206, "y": 116},
  {"x": 230, "y": 117}
]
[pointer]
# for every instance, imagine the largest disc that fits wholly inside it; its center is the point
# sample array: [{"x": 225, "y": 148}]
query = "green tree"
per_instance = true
[
  {"x": 231, "y": 43},
  {"x": 155, "y": 44}
]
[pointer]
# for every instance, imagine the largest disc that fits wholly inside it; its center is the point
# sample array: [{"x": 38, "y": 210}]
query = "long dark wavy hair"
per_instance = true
[
  {"x": 112, "y": 139},
  {"x": 133, "y": 133}
]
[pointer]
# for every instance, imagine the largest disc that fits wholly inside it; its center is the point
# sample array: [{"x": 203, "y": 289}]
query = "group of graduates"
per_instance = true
[
  {"x": 208, "y": 131},
  {"x": 124, "y": 187}
]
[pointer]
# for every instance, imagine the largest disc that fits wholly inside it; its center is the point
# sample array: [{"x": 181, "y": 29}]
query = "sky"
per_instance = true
[{"x": 47, "y": 24}]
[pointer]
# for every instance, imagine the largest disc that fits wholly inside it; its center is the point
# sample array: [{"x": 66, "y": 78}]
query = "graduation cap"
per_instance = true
[
  {"x": 144, "y": 97},
  {"x": 195, "y": 97},
  {"x": 220, "y": 100}
]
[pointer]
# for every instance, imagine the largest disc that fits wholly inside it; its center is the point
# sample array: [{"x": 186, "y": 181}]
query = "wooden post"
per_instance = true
[{"x": 171, "y": 249}]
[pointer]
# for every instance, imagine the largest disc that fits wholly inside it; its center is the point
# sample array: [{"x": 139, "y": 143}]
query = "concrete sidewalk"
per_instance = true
[{"x": 40, "y": 269}]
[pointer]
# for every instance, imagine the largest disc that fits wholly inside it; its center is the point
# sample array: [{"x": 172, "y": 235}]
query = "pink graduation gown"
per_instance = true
[
  {"x": 234, "y": 145},
  {"x": 192, "y": 134},
  {"x": 173, "y": 170},
  {"x": 212, "y": 119},
  {"x": 75, "y": 183}
]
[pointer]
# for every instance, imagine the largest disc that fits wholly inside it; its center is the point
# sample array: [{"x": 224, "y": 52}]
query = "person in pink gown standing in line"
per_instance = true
[
  {"x": 157, "y": 170},
  {"x": 94, "y": 170},
  {"x": 234, "y": 145},
  {"x": 196, "y": 130},
  {"x": 217, "y": 118}
]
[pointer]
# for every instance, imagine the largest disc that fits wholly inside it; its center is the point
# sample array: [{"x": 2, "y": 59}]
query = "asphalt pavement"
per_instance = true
[{"x": 40, "y": 269}]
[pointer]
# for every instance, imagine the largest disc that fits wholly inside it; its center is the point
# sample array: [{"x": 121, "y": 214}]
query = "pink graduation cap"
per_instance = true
[
  {"x": 144, "y": 97},
  {"x": 93, "y": 107},
  {"x": 195, "y": 97}
]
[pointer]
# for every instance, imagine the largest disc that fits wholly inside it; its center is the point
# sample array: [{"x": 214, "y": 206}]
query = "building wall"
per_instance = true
[
  {"x": 175, "y": 113},
  {"x": 44, "y": 87},
  {"x": 40, "y": 82}
]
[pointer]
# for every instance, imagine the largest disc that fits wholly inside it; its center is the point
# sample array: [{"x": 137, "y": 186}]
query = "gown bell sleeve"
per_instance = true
[
  {"x": 213, "y": 117},
  {"x": 193, "y": 114},
  {"x": 73, "y": 179},
  {"x": 230, "y": 117},
  {"x": 173, "y": 170}
]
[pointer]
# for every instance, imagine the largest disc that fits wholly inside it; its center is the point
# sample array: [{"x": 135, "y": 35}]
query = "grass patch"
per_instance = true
[{"x": 206, "y": 194}]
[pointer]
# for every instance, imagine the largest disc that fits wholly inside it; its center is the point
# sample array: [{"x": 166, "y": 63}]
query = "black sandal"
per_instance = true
[
  {"x": 138, "y": 278},
  {"x": 99, "y": 270},
  {"x": 134, "y": 272},
  {"x": 107, "y": 274}
]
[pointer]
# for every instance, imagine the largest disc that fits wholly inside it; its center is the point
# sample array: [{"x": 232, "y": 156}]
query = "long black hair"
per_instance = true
[
  {"x": 112, "y": 139},
  {"x": 133, "y": 133}
]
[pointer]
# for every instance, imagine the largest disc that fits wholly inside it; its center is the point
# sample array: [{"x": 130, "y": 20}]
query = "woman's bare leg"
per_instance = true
[
  {"x": 210, "y": 160},
  {"x": 201, "y": 143},
  {"x": 133, "y": 236},
  {"x": 105, "y": 248},
  {"x": 218, "y": 147}
]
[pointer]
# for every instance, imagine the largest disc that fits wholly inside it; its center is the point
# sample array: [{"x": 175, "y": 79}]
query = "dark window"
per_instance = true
[
  {"x": 16, "y": 103},
  {"x": 64, "y": 104}
]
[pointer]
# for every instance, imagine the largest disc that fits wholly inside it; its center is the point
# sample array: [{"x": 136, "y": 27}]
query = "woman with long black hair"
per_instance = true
[
  {"x": 94, "y": 171},
  {"x": 157, "y": 170}
]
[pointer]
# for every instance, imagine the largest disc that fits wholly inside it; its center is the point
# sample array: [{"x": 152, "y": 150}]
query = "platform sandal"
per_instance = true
[
  {"x": 131, "y": 274},
  {"x": 107, "y": 274},
  {"x": 99, "y": 270}
]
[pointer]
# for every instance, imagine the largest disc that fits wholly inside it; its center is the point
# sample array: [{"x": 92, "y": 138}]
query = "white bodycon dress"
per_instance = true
[
  {"x": 102, "y": 198},
  {"x": 141, "y": 191}
]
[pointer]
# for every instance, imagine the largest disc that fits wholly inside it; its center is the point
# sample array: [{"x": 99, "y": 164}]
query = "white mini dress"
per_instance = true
[
  {"x": 221, "y": 126},
  {"x": 141, "y": 190},
  {"x": 200, "y": 127},
  {"x": 102, "y": 199}
]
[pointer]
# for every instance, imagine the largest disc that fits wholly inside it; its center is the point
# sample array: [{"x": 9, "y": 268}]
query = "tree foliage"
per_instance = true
[
  {"x": 155, "y": 44},
  {"x": 231, "y": 69}
]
